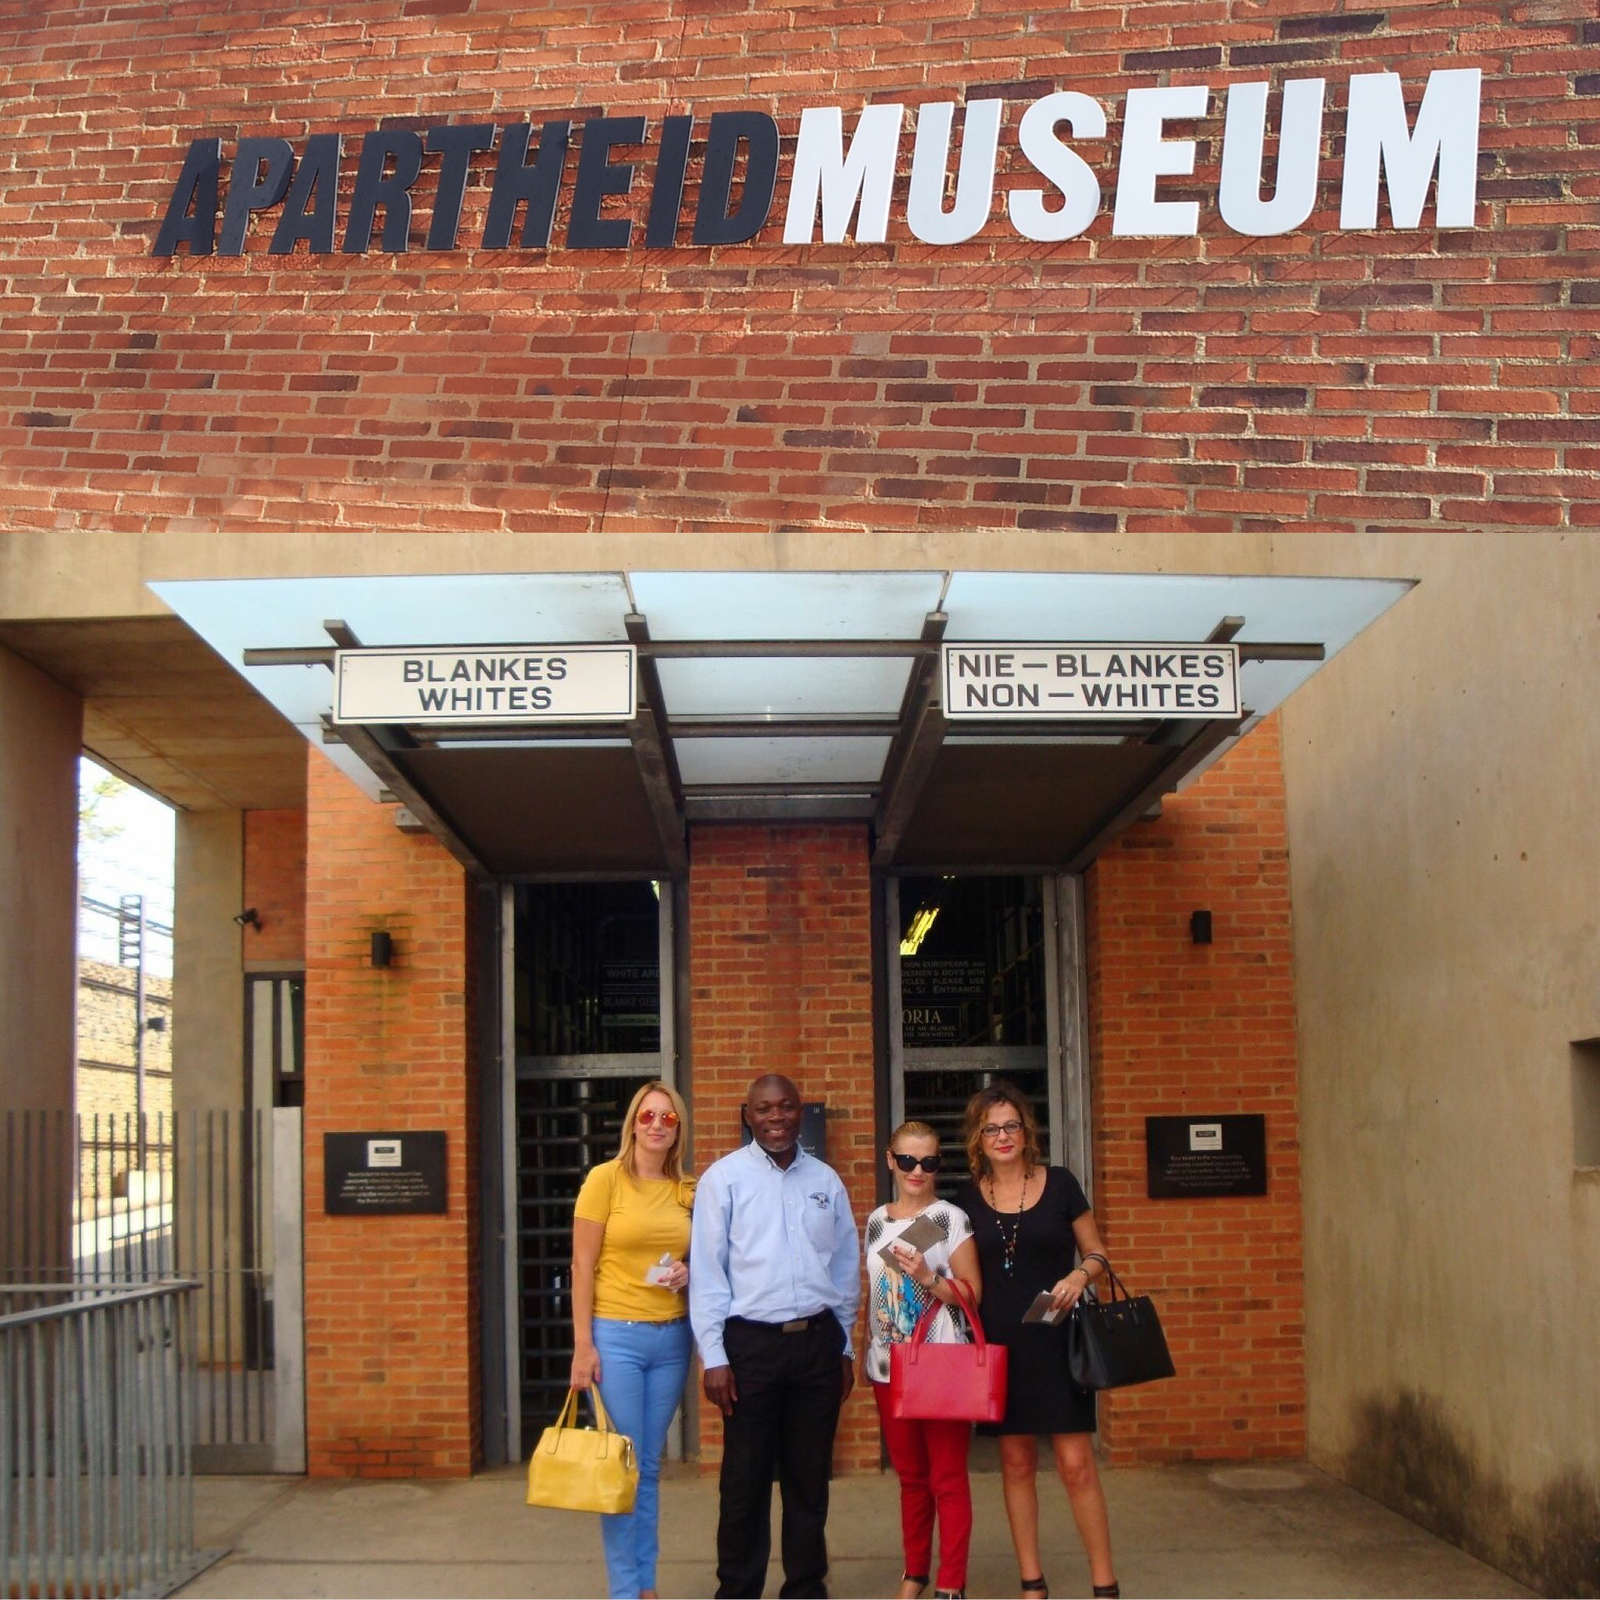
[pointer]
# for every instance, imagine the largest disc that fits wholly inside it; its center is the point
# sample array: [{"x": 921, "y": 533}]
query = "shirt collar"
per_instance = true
[{"x": 759, "y": 1154}]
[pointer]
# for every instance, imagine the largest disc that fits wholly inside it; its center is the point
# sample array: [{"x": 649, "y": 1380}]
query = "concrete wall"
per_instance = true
[
  {"x": 1446, "y": 876},
  {"x": 41, "y": 728},
  {"x": 41, "y": 731},
  {"x": 207, "y": 975}
]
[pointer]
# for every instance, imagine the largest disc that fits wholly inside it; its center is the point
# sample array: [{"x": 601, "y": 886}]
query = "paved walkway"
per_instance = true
[{"x": 1192, "y": 1530}]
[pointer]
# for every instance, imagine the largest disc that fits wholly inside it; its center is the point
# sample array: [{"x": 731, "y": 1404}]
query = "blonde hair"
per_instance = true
[
  {"x": 672, "y": 1167},
  {"x": 1001, "y": 1093},
  {"x": 914, "y": 1130}
]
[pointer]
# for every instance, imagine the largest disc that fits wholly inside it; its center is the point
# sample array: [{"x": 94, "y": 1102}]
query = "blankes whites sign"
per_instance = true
[
  {"x": 528, "y": 683},
  {"x": 849, "y": 188}
]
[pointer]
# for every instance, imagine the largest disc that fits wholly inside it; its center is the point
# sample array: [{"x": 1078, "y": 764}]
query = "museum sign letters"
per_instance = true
[{"x": 848, "y": 186}]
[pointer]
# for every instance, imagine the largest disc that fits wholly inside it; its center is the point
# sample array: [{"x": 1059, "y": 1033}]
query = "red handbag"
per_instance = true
[{"x": 948, "y": 1382}]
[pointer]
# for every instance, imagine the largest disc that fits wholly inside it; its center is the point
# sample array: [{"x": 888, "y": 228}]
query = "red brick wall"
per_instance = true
[
  {"x": 275, "y": 884},
  {"x": 1339, "y": 379},
  {"x": 1176, "y": 1029},
  {"x": 780, "y": 972},
  {"x": 391, "y": 1302}
]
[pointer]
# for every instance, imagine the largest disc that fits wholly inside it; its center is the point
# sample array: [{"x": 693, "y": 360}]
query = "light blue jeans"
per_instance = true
[{"x": 643, "y": 1368}]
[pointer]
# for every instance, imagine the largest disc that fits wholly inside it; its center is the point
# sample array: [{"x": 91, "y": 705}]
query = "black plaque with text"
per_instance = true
[
  {"x": 1189, "y": 1157},
  {"x": 383, "y": 1174}
]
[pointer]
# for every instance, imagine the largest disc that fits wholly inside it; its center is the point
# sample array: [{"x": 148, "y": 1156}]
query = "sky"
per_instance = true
[{"x": 126, "y": 847}]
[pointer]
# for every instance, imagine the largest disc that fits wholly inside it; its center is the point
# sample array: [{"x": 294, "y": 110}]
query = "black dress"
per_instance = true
[{"x": 1040, "y": 1396}]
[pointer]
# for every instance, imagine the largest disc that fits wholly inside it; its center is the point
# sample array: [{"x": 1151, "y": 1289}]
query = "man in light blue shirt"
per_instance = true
[{"x": 774, "y": 1287}]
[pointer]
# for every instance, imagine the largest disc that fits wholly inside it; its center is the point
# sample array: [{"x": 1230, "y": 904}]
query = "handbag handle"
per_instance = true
[
  {"x": 567, "y": 1417},
  {"x": 919, "y": 1334},
  {"x": 1119, "y": 1290}
]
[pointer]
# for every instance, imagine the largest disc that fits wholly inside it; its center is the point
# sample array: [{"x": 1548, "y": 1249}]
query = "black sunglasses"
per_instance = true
[{"x": 911, "y": 1163}]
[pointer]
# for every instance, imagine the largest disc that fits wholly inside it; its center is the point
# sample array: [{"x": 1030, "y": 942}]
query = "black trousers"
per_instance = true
[{"x": 782, "y": 1427}]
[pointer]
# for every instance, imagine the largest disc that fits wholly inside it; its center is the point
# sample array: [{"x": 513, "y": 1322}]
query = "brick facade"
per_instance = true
[
  {"x": 780, "y": 972},
  {"x": 275, "y": 884},
  {"x": 392, "y": 1350},
  {"x": 1334, "y": 379},
  {"x": 107, "y": 1024},
  {"x": 1182, "y": 1029}
]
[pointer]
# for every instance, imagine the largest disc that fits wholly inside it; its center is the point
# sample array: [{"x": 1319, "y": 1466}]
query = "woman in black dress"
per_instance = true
[{"x": 1029, "y": 1220}]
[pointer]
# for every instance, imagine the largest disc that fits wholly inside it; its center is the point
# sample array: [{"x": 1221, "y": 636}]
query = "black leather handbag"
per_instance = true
[{"x": 1116, "y": 1342}]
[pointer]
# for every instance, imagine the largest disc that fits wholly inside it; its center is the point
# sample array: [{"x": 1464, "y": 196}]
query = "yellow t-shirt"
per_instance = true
[{"x": 644, "y": 1219}]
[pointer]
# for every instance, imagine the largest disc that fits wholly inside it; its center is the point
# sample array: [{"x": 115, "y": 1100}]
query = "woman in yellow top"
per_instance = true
[{"x": 630, "y": 1325}]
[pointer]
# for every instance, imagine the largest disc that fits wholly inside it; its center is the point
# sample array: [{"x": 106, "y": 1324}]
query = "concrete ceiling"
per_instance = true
[{"x": 162, "y": 709}]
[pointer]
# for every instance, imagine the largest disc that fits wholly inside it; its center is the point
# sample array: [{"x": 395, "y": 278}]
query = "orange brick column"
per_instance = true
[
  {"x": 1180, "y": 1029},
  {"x": 780, "y": 972},
  {"x": 391, "y": 1302}
]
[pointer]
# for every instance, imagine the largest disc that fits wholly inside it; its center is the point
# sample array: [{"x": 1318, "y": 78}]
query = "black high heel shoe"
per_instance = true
[
  {"x": 1107, "y": 1591},
  {"x": 918, "y": 1578},
  {"x": 1036, "y": 1586}
]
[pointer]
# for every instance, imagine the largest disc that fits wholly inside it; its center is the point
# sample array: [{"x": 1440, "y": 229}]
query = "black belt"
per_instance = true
[{"x": 794, "y": 1325}]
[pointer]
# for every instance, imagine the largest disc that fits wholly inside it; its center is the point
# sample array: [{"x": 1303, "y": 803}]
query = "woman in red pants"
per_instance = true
[{"x": 930, "y": 1457}]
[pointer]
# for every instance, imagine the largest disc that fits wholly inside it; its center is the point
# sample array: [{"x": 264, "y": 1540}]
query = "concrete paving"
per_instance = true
[{"x": 1190, "y": 1530}]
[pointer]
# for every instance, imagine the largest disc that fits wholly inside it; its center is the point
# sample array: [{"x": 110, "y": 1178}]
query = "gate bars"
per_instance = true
[
  {"x": 96, "y": 1472},
  {"x": 212, "y": 1196}
]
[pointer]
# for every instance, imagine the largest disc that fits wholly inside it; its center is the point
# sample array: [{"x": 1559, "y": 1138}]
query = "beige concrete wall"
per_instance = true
[
  {"x": 207, "y": 963},
  {"x": 41, "y": 732},
  {"x": 1442, "y": 781},
  {"x": 109, "y": 574},
  {"x": 41, "y": 727}
]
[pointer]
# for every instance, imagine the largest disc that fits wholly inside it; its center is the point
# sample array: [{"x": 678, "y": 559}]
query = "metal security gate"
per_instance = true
[
  {"x": 590, "y": 971},
  {"x": 987, "y": 980},
  {"x": 213, "y": 1197}
]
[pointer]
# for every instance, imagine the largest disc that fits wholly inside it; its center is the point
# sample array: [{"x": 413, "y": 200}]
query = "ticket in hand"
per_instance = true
[
  {"x": 922, "y": 1232},
  {"x": 1042, "y": 1311}
]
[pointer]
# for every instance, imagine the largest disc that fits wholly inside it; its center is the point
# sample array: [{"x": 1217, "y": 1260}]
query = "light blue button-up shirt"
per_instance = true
[{"x": 770, "y": 1244}]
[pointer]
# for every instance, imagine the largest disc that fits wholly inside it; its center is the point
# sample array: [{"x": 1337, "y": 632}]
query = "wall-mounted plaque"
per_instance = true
[
  {"x": 383, "y": 1174},
  {"x": 934, "y": 992},
  {"x": 1188, "y": 1157}
]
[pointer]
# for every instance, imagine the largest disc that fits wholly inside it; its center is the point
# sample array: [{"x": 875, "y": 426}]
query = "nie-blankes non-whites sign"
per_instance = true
[
  {"x": 512, "y": 683},
  {"x": 1079, "y": 682}
]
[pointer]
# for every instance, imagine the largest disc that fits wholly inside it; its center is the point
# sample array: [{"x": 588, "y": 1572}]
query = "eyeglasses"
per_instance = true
[
  {"x": 993, "y": 1130},
  {"x": 911, "y": 1163},
  {"x": 647, "y": 1118}
]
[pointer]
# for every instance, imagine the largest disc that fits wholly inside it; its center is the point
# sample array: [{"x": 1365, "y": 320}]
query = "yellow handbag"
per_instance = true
[{"x": 583, "y": 1469}]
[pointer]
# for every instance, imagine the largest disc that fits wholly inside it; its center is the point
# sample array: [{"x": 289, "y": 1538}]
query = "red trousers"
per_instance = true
[{"x": 931, "y": 1461}]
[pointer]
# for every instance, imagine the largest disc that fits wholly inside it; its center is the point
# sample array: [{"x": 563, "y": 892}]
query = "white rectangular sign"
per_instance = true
[
  {"x": 512, "y": 683},
  {"x": 1083, "y": 682}
]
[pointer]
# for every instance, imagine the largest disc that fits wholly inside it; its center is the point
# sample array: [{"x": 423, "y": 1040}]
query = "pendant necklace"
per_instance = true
[{"x": 1008, "y": 1237}]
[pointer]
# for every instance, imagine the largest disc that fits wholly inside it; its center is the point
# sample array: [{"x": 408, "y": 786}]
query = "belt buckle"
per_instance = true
[{"x": 798, "y": 1325}]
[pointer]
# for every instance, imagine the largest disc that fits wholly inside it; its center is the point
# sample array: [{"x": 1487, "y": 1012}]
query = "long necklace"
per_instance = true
[{"x": 1008, "y": 1237}]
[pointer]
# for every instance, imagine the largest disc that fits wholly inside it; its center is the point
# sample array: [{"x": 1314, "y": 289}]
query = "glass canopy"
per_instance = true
[{"x": 748, "y": 733}]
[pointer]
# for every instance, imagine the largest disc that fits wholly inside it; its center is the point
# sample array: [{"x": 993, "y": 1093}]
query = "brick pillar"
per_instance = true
[
  {"x": 780, "y": 971},
  {"x": 391, "y": 1302},
  {"x": 1183, "y": 1029}
]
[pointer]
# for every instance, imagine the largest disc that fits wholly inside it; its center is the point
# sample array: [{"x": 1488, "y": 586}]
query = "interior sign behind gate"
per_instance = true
[
  {"x": 515, "y": 683},
  {"x": 1079, "y": 682}
]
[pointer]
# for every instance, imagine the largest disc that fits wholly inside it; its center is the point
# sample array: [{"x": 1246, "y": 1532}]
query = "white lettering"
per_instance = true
[
  {"x": 930, "y": 162},
  {"x": 1146, "y": 156},
  {"x": 1446, "y": 137},
  {"x": 860, "y": 183},
  {"x": 1299, "y": 151},
  {"x": 1064, "y": 167}
]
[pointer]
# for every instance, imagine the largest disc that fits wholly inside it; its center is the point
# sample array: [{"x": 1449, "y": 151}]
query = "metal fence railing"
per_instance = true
[
  {"x": 96, "y": 1414},
  {"x": 210, "y": 1196}
]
